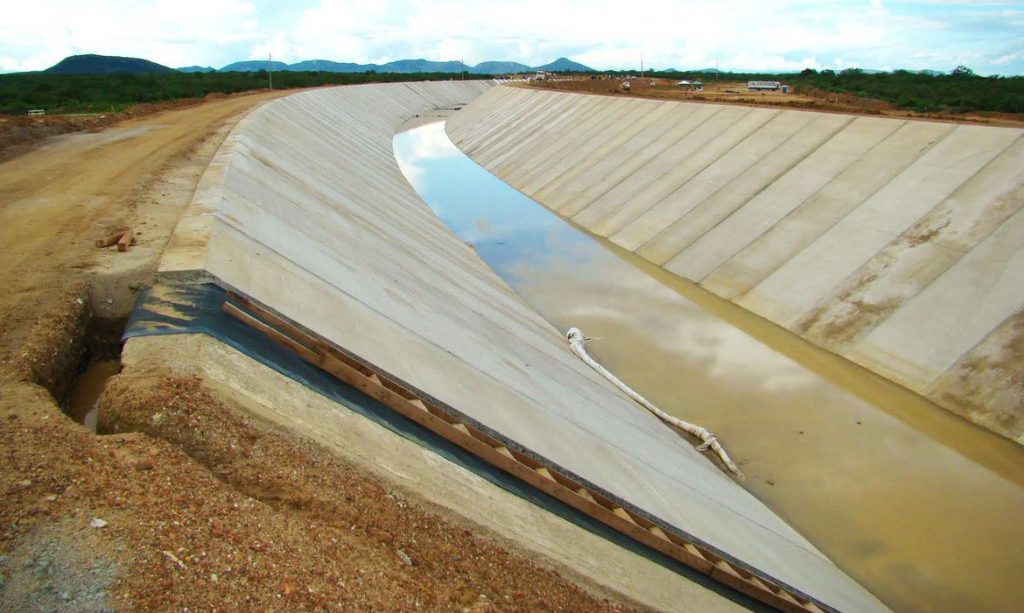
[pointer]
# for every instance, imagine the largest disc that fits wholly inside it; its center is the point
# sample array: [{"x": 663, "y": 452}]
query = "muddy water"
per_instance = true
[
  {"x": 81, "y": 405},
  {"x": 923, "y": 508}
]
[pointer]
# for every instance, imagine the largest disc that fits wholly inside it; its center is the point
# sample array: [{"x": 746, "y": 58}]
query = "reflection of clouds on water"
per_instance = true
[
  {"x": 414, "y": 148},
  {"x": 670, "y": 325},
  {"x": 428, "y": 142},
  {"x": 736, "y": 356}
]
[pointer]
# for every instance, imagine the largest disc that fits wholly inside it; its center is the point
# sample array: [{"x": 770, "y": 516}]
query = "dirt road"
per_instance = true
[
  {"x": 56, "y": 200},
  {"x": 208, "y": 510}
]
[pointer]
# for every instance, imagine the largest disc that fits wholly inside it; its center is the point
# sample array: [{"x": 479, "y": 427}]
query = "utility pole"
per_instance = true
[
  {"x": 463, "y": 69},
  {"x": 270, "y": 70},
  {"x": 716, "y": 70},
  {"x": 641, "y": 64}
]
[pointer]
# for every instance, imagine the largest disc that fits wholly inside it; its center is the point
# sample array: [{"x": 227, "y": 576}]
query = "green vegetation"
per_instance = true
[
  {"x": 961, "y": 91},
  {"x": 98, "y": 93}
]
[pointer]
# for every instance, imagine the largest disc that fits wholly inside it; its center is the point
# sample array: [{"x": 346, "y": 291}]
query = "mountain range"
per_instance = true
[
  {"x": 96, "y": 64},
  {"x": 402, "y": 66}
]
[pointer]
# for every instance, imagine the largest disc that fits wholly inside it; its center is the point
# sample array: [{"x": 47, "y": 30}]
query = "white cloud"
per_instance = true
[{"x": 741, "y": 34}]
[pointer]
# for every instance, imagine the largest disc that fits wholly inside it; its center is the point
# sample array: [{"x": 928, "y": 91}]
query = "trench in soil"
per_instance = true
[{"x": 100, "y": 361}]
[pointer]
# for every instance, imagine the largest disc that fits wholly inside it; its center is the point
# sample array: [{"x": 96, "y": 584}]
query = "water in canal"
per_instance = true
[{"x": 923, "y": 508}]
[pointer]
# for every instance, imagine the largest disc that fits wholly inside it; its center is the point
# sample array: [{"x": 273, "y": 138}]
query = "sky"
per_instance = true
[{"x": 740, "y": 35}]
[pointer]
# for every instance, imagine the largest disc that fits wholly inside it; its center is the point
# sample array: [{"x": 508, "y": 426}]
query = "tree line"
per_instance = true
[
  {"x": 100, "y": 93},
  {"x": 960, "y": 91}
]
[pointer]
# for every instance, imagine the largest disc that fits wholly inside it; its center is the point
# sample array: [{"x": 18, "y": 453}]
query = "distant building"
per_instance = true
[
  {"x": 693, "y": 86},
  {"x": 763, "y": 85}
]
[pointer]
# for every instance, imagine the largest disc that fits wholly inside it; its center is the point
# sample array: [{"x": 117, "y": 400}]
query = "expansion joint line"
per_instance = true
[
  {"x": 514, "y": 459},
  {"x": 708, "y": 439}
]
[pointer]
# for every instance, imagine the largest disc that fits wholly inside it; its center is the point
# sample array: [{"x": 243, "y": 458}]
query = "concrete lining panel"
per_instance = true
[
  {"x": 670, "y": 195},
  {"x": 549, "y": 139},
  {"x": 985, "y": 385},
  {"x": 874, "y": 164},
  {"x": 559, "y": 187},
  {"x": 581, "y": 142},
  {"x": 917, "y": 258},
  {"x": 955, "y": 312},
  {"x": 553, "y": 116},
  {"x": 632, "y": 155},
  {"x": 526, "y": 114},
  {"x": 599, "y": 215},
  {"x": 665, "y": 248},
  {"x": 811, "y": 276}
]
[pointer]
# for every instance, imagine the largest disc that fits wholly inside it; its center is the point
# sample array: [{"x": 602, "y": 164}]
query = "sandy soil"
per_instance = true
[
  {"x": 730, "y": 92},
  {"x": 190, "y": 504}
]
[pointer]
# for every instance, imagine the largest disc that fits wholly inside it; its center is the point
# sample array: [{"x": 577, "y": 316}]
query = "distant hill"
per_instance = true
[
  {"x": 98, "y": 64},
  {"x": 329, "y": 66},
  {"x": 565, "y": 65},
  {"x": 406, "y": 66},
  {"x": 253, "y": 66},
  {"x": 105, "y": 64},
  {"x": 397, "y": 66},
  {"x": 197, "y": 69},
  {"x": 499, "y": 68}
]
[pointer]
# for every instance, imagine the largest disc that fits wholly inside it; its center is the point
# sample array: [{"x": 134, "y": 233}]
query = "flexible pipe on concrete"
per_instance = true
[{"x": 709, "y": 440}]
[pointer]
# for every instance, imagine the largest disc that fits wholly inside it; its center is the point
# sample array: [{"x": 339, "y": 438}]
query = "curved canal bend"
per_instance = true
[{"x": 921, "y": 507}]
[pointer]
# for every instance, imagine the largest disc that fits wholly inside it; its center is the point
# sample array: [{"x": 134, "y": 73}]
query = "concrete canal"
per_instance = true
[{"x": 920, "y": 506}]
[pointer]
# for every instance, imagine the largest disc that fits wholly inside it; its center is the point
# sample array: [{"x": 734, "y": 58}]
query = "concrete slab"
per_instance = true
[
  {"x": 916, "y": 259},
  {"x": 599, "y": 148},
  {"x": 758, "y": 238},
  {"x": 736, "y": 191},
  {"x": 575, "y": 142},
  {"x": 631, "y": 155},
  {"x": 607, "y": 211},
  {"x": 536, "y": 148},
  {"x": 669, "y": 198},
  {"x": 955, "y": 312},
  {"x": 314, "y": 219}
]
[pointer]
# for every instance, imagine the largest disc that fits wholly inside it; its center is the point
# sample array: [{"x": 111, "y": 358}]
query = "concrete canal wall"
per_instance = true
[
  {"x": 305, "y": 210},
  {"x": 897, "y": 244}
]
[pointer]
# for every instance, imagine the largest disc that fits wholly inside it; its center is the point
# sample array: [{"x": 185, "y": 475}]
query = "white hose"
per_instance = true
[{"x": 709, "y": 440}]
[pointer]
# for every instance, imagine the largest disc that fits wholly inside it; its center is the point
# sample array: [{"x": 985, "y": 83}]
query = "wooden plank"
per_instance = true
[
  {"x": 109, "y": 240},
  {"x": 536, "y": 473},
  {"x": 126, "y": 240},
  {"x": 303, "y": 351}
]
